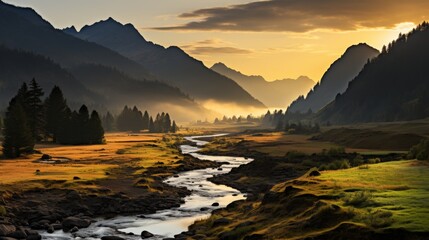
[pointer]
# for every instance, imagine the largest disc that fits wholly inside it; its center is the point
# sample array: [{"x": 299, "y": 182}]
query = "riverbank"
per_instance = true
[
  {"x": 292, "y": 200},
  {"x": 79, "y": 183}
]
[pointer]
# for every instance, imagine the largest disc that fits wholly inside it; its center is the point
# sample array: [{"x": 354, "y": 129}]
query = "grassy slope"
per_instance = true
[{"x": 320, "y": 208}]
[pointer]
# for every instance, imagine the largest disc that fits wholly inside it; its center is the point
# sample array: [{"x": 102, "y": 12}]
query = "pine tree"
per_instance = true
[
  {"x": 166, "y": 123},
  {"x": 55, "y": 112},
  {"x": 174, "y": 127},
  {"x": 17, "y": 134},
  {"x": 95, "y": 129},
  {"x": 82, "y": 125},
  {"x": 35, "y": 110},
  {"x": 146, "y": 120},
  {"x": 151, "y": 125}
]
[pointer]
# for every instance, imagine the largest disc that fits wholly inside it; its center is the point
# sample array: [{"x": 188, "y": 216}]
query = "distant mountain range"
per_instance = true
[
  {"x": 336, "y": 79},
  {"x": 172, "y": 65},
  {"x": 392, "y": 87},
  {"x": 274, "y": 94},
  {"x": 87, "y": 72}
]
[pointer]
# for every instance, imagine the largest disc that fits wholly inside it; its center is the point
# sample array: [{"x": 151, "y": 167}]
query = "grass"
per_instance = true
[
  {"x": 136, "y": 152},
  {"x": 398, "y": 187}
]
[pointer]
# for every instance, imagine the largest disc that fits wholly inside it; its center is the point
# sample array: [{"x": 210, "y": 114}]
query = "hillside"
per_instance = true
[
  {"x": 394, "y": 86},
  {"x": 274, "y": 94},
  {"x": 172, "y": 65},
  {"x": 23, "y": 28},
  {"x": 153, "y": 96},
  {"x": 19, "y": 66},
  {"x": 336, "y": 79}
]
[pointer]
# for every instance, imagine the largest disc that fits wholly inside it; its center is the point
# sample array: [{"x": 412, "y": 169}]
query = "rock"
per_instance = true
[
  {"x": 50, "y": 229},
  {"x": 18, "y": 234},
  {"x": 221, "y": 221},
  {"x": 112, "y": 238},
  {"x": 314, "y": 173},
  {"x": 203, "y": 209},
  {"x": 34, "y": 237},
  {"x": 76, "y": 178},
  {"x": 216, "y": 204},
  {"x": 71, "y": 222},
  {"x": 46, "y": 157},
  {"x": 6, "y": 229},
  {"x": 146, "y": 234},
  {"x": 219, "y": 169},
  {"x": 74, "y": 229},
  {"x": 57, "y": 226}
]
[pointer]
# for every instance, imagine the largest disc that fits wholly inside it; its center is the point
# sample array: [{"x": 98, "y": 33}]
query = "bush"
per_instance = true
[
  {"x": 373, "y": 160},
  {"x": 336, "y": 165},
  {"x": 420, "y": 151},
  {"x": 358, "y": 199}
]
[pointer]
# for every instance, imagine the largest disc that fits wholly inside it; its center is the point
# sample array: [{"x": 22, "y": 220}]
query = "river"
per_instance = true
[{"x": 169, "y": 222}]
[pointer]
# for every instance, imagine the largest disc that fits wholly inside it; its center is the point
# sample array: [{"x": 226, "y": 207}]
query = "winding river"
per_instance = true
[{"x": 169, "y": 222}]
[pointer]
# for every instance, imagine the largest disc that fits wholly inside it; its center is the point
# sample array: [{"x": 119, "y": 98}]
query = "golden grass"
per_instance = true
[{"x": 91, "y": 162}]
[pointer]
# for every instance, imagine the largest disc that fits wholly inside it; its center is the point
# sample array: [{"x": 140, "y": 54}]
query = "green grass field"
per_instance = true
[{"x": 400, "y": 188}]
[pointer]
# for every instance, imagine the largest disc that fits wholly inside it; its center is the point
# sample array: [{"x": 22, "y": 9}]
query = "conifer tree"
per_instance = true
[
  {"x": 17, "y": 134},
  {"x": 55, "y": 112},
  {"x": 146, "y": 120},
  {"x": 95, "y": 129},
  {"x": 174, "y": 127},
  {"x": 151, "y": 125},
  {"x": 108, "y": 122},
  {"x": 35, "y": 110}
]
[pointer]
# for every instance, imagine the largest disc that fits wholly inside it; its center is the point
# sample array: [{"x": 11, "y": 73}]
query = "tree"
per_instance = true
[
  {"x": 35, "y": 110},
  {"x": 55, "y": 113},
  {"x": 95, "y": 129},
  {"x": 166, "y": 123},
  {"x": 146, "y": 120},
  {"x": 151, "y": 125},
  {"x": 174, "y": 127},
  {"x": 17, "y": 133}
]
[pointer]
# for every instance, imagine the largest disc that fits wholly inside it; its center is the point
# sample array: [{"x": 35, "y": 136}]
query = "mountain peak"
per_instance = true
[
  {"x": 27, "y": 13},
  {"x": 70, "y": 30},
  {"x": 359, "y": 47},
  {"x": 219, "y": 65}
]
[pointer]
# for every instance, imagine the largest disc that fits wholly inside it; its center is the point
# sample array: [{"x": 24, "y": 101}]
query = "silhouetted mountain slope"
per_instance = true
[
  {"x": 393, "y": 86},
  {"x": 19, "y": 66},
  {"x": 275, "y": 94},
  {"x": 23, "y": 28},
  {"x": 172, "y": 65},
  {"x": 120, "y": 89},
  {"x": 336, "y": 79}
]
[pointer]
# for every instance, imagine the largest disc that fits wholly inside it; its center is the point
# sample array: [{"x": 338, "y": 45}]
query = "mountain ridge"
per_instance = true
[
  {"x": 335, "y": 80},
  {"x": 173, "y": 65},
  {"x": 274, "y": 94}
]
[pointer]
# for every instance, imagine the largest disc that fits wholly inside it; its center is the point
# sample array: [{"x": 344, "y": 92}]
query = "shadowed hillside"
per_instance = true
[
  {"x": 275, "y": 94},
  {"x": 172, "y": 64},
  {"x": 393, "y": 86},
  {"x": 336, "y": 79}
]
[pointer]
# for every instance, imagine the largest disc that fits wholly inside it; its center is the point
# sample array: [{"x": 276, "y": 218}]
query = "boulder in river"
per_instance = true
[
  {"x": 146, "y": 234},
  {"x": 71, "y": 222},
  {"x": 6, "y": 229},
  {"x": 216, "y": 204},
  {"x": 112, "y": 238}
]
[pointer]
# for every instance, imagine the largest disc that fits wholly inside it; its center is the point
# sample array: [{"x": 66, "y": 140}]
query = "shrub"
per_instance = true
[
  {"x": 420, "y": 151},
  {"x": 335, "y": 165},
  {"x": 373, "y": 160},
  {"x": 358, "y": 199},
  {"x": 121, "y": 151}
]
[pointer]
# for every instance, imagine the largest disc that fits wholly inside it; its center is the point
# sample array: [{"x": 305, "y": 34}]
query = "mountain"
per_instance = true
[
  {"x": 392, "y": 87},
  {"x": 87, "y": 72},
  {"x": 23, "y": 28},
  {"x": 20, "y": 66},
  {"x": 336, "y": 79},
  {"x": 172, "y": 65},
  {"x": 275, "y": 94},
  {"x": 149, "y": 95}
]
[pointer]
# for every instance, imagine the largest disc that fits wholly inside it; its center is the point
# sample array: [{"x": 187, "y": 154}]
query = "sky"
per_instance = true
[{"x": 273, "y": 38}]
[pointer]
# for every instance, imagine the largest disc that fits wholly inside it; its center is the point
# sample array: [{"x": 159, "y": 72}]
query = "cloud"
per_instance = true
[
  {"x": 213, "y": 46},
  {"x": 306, "y": 15}
]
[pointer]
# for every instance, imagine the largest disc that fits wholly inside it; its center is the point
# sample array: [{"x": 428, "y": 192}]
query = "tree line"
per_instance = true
[
  {"x": 134, "y": 120},
  {"x": 29, "y": 119}
]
